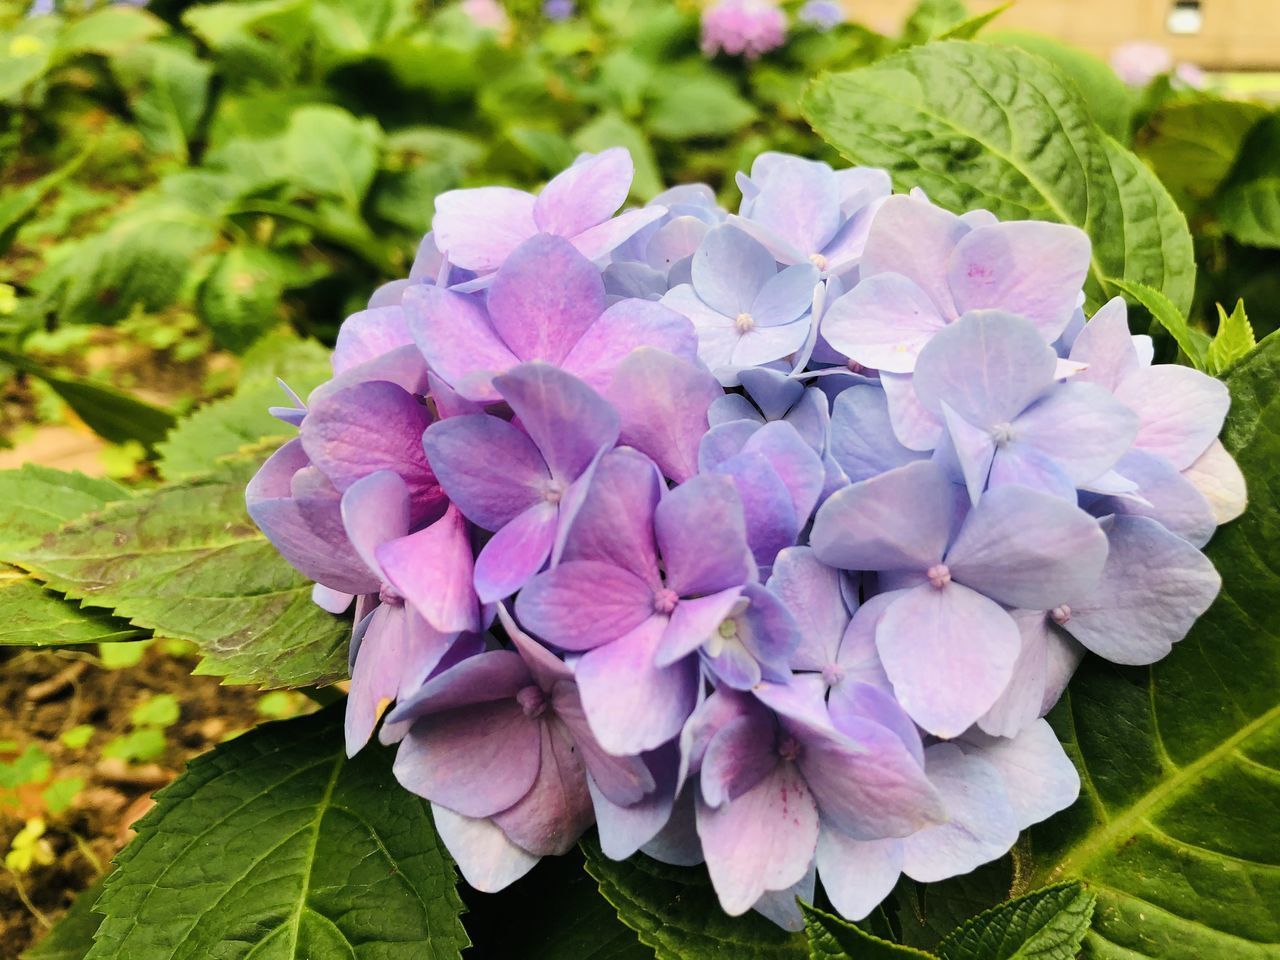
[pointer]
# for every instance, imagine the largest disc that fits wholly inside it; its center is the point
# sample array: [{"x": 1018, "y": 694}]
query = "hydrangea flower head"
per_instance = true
[
  {"x": 764, "y": 539},
  {"x": 742, "y": 28}
]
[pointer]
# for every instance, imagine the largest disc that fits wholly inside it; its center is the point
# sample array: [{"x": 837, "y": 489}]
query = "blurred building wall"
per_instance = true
[{"x": 1233, "y": 34}]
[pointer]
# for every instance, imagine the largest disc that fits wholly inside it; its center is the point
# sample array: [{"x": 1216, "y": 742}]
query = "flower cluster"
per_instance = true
[
  {"x": 743, "y": 28},
  {"x": 761, "y": 539}
]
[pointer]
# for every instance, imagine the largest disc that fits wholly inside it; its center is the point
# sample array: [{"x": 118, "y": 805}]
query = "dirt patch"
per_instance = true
[{"x": 47, "y": 696}]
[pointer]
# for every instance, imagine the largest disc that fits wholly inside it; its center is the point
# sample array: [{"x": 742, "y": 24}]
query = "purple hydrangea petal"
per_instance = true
[
  {"x": 1106, "y": 346},
  {"x": 974, "y": 449},
  {"x": 366, "y": 427},
  {"x": 568, "y": 421},
  {"x": 900, "y": 520},
  {"x": 763, "y": 840},
  {"x": 369, "y": 334},
  {"x": 785, "y": 297},
  {"x": 912, "y": 237},
  {"x": 982, "y": 824},
  {"x": 915, "y": 427},
  {"x": 587, "y": 193},
  {"x": 1031, "y": 268},
  {"x": 478, "y": 228},
  {"x": 1081, "y": 426},
  {"x": 738, "y": 756},
  {"x": 549, "y": 819},
  {"x": 949, "y": 653},
  {"x": 459, "y": 343},
  {"x": 702, "y": 537},
  {"x": 988, "y": 366},
  {"x": 716, "y": 333},
  {"x": 857, "y": 874},
  {"x": 487, "y": 859},
  {"x": 862, "y": 440},
  {"x": 623, "y": 328},
  {"x": 1038, "y": 776},
  {"x": 663, "y": 403},
  {"x": 1028, "y": 549},
  {"x": 330, "y": 600},
  {"x": 632, "y": 704},
  {"x": 761, "y": 344},
  {"x": 730, "y": 269},
  {"x": 783, "y": 906},
  {"x": 486, "y": 677},
  {"x": 615, "y": 522},
  {"x": 794, "y": 461},
  {"x": 476, "y": 760},
  {"x": 811, "y": 591},
  {"x": 544, "y": 298},
  {"x": 595, "y": 243},
  {"x": 732, "y": 408},
  {"x": 1019, "y": 464},
  {"x": 1153, "y": 588},
  {"x": 622, "y": 780},
  {"x": 624, "y": 829},
  {"x": 488, "y": 467},
  {"x": 432, "y": 570},
  {"x": 1019, "y": 704},
  {"x": 1164, "y": 495},
  {"x": 516, "y": 552},
  {"x": 852, "y": 702},
  {"x": 1181, "y": 411},
  {"x": 884, "y": 322},
  {"x": 376, "y": 510},
  {"x": 857, "y": 659},
  {"x": 693, "y": 622},
  {"x": 800, "y": 203},
  {"x": 583, "y": 604},
  {"x": 1218, "y": 478}
]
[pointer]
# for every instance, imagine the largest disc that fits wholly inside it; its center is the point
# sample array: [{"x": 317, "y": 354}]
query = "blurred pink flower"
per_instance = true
[
  {"x": 743, "y": 28},
  {"x": 487, "y": 14}
]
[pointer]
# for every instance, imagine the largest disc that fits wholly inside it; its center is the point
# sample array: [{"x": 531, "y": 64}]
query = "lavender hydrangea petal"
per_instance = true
[
  {"x": 583, "y": 604},
  {"x": 853, "y": 702},
  {"x": 624, "y": 829},
  {"x": 1181, "y": 410},
  {"x": 376, "y": 510},
  {"x": 369, "y": 334},
  {"x": 949, "y": 653},
  {"x": 857, "y": 875},
  {"x": 455, "y": 336},
  {"x": 1106, "y": 346},
  {"x": 516, "y": 552},
  {"x": 900, "y": 520},
  {"x": 1081, "y": 426},
  {"x": 1001, "y": 549},
  {"x": 663, "y": 403},
  {"x": 488, "y": 676},
  {"x": 702, "y": 537},
  {"x": 330, "y": 600},
  {"x": 730, "y": 269},
  {"x": 615, "y": 522},
  {"x": 549, "y": 819},
  {"x": 1218, "y": 478},
  {"x": 1038, "y": 776},
  {"x": 1164, "y": 495},
  {"x": 982, "y": 824},
  {"x": 883, "y": 322},
  {"x": 488, "y": 467},
  {"x": 479, "y": 227},
  {"x": 624, "y": 780},
  {"x": 1031, "y": 268},
  {"x": 800, "y": 202},
  {"x": 912, "y": 237},
  {"x": 862, "y": 440},
  {"x": 811, "y": 592},
  {"x": 568, "y": 421},
  {"x": 587, "y": 193},
  {"x": 915, "y": 427},
  {"x": 487, "y": 859},
  {"x": 596, "y": 243},
  {"x": 693, "y": 622},
  {"x": 1153, "y": 588},
  {"x": 1019, "y": 704},
  {"x": 782, "y": 907},
  {"x": 432, "y": 570},
  {"x": 632, "y": 704}
]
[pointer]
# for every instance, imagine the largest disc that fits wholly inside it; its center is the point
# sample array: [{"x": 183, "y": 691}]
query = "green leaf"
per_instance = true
[
  {"x": 1110, "y": 101},
  {"x": 240, "y": 297},
  {"x": 978, "y": 126},
  {"x": 185, "y": 561},
  {"x": 225, "y": 426},
  {"x": 36, "y": 500},
  {"x": 698, "y": 106},
  {"x": 970, "y": 28},
  {"x": 1192, "y": 342},
  {"x": 72, "y": 936},
  {"x": 29, "y": 48},
  {"x": 831, "y": 938},
  {"x": 1248, "y": 204},
  {"x": 1048, "y": 924},
  {"x": 276, "y": 845},
  {"x": 109, "y": 30},
  {"x": 1192, "y": 144},
  {"x": 168, "y": 89},
  {"x": 1180, "y": 762},
  {"x": 933, "y": 18},
  {"x": 19, "y": 204},
  {"x": 675, "y": 911},
  {"x": 332, "y": 153},
  {"x": 1232, "y": 342},
  {"x": 31, "y": 616},
  {"x": 927, "y": 912},
  {"x": 611, "y": 130}
]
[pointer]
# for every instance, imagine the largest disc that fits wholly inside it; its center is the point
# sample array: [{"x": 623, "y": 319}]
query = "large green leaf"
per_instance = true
[
  {"x": 1249, "y": 202},
  {"x": 831, "y": 938},
  {"x": 108, "y": 31},
  {"x": 275, "y": 845},
  {"x": 240, "y": 297},
  {"x": 36, "y": 500},
  {"x": 18, "y": 204},
  {"x": 675, "y": 911},
  {"x": 72, "y": 936},
  {"x": 1180, "y": 763},
  {"x": 1192, "y": 342},
  {"x": 32, "y": 616},
  {"x": 981, "y": 126},
  {"x": 186, "y": 561},
  {"x": 332, "y": 153},
  {"x": 168, "y": 88},
  {"x": 1048, "y": 924},
  {"x": 689, "y": 107}
]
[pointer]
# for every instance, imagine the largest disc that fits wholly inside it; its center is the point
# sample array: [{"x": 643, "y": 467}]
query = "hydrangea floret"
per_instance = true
[{"x": 763, "y": 538}]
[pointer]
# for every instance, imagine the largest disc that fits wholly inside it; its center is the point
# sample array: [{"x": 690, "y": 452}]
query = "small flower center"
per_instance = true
[
  {"x": 745, "y": 323},
  {"x": 532, "y": 701},
  {"x": 939, "y": 575},
  {"x": 1002, "y": 433},
  {"x": 818, "y": 260},
  {"x": 789, "y": 748},
  {"x": 832, "y": 674},
  {"x": 390, "y": 595},
  {"x": 1060, "y": 615},
  {"x": 665, "y": 600},
  {"x": 553, "y": 490}
]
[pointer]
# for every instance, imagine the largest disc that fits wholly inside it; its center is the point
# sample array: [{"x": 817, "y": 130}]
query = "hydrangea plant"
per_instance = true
[{"x": 774, "y": 557}]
